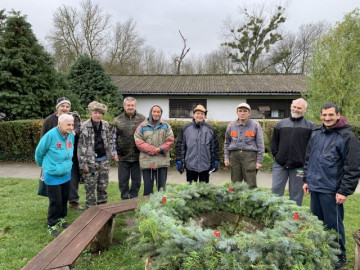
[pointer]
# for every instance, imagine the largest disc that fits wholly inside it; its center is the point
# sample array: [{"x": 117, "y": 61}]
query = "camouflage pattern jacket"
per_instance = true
[
  {"x": 148, "y": 138},
  {"x": 86, "y": 146}
]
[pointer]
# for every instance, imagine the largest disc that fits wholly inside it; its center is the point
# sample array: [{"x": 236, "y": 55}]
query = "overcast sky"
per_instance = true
[{"x": 200, "y": 21}]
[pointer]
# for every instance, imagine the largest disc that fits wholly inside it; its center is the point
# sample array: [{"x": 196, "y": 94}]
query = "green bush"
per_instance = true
[{"x": 18, "y": 139}]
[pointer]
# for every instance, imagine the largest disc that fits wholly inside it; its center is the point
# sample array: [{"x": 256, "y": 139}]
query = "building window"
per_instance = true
[
  {"x": 183, "y": 108},
  {"x": 279, "y": 108}
]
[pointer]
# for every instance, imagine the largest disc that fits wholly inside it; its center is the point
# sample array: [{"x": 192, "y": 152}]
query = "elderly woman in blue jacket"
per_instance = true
[{"x": 54, "y": 154}]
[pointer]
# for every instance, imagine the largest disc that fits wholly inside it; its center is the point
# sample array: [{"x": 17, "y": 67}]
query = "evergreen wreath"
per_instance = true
[{"x": 286, "y": 237}]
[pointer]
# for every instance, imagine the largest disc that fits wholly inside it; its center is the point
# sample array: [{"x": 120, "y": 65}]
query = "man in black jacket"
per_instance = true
[
  {"x": 332, "y": 171},
  {"x": 288, "y": 146}
]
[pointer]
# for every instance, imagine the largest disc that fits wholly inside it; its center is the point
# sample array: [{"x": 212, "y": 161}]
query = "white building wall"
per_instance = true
[
  {"x": 220, "y": 108},
  {"x": 143, "y": 105}
]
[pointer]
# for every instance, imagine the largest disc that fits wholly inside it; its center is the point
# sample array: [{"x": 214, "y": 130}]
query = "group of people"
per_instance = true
[{"x": 317, "y": 160}]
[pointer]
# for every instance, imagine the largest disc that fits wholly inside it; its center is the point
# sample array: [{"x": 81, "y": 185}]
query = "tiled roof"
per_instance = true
[{"x": 256, "y": 84}]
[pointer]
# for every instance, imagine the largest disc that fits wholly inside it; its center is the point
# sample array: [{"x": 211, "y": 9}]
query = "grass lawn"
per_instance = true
[{"x": 23, "y": 228}]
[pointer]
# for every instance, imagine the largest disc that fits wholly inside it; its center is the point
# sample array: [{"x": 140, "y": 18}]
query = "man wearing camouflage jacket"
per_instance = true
[{"x": 94, "y": 154}]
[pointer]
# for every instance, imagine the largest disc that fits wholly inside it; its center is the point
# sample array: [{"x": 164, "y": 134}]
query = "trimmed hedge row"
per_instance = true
[{"x": 18, "y": 139}]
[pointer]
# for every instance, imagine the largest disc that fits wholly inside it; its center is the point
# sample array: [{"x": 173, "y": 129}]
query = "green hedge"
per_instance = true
[{"x": 18, "y": 139}]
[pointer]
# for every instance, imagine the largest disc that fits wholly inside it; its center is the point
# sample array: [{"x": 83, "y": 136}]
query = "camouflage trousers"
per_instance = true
[{"x": 97, "y": 179}]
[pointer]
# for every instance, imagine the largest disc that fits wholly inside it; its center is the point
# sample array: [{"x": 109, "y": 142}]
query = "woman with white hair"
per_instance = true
[{"x": 54, "y": 154}]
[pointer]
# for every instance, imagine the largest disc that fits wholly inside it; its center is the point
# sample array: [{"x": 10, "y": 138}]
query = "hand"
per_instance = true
[
  {"x": 116, "y": 158},
  {"x": 86, "y": 170},
  {"x": 157, "y": 151},
  {"x": 180, "y": 166},
  {"x": 227, "y": 163},
  {"x": 306, "y": 189},
  {"x": 340, "y": 199},
  {"x": 215, "y": 166},
  {"x": 258, "y": 166}
]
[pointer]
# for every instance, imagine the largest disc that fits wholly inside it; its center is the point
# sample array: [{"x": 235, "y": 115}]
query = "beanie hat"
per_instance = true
[
  {"x": 200, "y": 108},
  {"x": 62, "y": 100},
  {"x": 97, "y": 106}
]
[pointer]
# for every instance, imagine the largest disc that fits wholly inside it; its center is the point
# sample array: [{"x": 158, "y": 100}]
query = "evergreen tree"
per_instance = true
[
  {"x": 87, "y": 78},
  {"x": 28, "y": 78},
  {"x": 334, "y": 74}
]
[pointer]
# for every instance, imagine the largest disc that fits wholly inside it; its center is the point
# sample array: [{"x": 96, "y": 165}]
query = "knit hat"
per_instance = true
[
  {"x": 62, "y": 100},
  {"x": 200, "y": 108},
  {"x": 97, "y": 106}
]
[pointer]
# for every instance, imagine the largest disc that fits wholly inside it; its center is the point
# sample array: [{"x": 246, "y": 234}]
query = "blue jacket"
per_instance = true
[
  {"x": 54, "y": 154},
  {"x": 198, "y": 145},
  {"x": 332, "y": 163}
]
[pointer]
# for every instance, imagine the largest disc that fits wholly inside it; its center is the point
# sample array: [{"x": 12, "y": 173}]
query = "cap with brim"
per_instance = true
[
  {"x": 200, "y": 108},
  {"x": 244, "y": 105}
]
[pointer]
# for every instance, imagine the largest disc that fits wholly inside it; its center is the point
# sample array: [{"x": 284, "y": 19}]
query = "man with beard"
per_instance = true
[{"x": 288, "y": 146}]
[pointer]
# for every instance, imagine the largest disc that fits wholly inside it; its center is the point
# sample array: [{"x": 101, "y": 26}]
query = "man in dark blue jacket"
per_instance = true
[{"x": 332, "y": 171}]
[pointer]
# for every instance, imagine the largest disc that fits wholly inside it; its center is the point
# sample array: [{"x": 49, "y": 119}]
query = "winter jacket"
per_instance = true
[
  {"x": 247, "y": 137},
  {"x": 198, "y": 145},
  {"x": 123, "y": 136},
  {"x": 332, "y": 163},
  {"x": 54, "y": 154},
  {"x": 289, "y": 141},
  {"x": 86, "y": 146},
  {"x": 148, "y": 137},
  {"x": 52, "y": 121}
]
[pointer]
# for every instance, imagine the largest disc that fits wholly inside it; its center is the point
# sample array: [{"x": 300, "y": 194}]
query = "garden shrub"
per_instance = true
[{"x": 18, "y": 139}]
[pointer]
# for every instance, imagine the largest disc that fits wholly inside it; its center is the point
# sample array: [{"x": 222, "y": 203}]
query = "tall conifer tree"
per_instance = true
[{"x": 28, "y": 78}]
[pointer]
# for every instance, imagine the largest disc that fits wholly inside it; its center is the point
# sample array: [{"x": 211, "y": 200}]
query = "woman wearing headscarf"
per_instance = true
[{"x": 154, "y": 138}]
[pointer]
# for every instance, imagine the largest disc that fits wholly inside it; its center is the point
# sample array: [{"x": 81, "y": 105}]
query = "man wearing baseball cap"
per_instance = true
[
  {"x": 197, "y": 148},
  {"x": 244, "y": 147}
]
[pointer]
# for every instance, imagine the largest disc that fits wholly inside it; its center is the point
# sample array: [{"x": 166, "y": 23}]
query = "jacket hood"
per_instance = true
[
  {"x": 342, "y": 122},
  {"x": 150, "y": 120}
]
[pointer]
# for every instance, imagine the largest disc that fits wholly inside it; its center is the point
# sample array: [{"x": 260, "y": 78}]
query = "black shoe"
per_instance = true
[
  {"x": 340, "y": 262},
  {"x": 53, "y": 230},
  {"x": 63, "y": 224}
]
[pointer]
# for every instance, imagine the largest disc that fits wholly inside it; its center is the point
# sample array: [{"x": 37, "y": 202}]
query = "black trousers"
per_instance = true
[
  {"x": 323, "y": 205},
  {"x": 127, "y": 170},
  {"x": 58, "y": 198},
  {"x": 74, "y": 182},
  {"x": 192, "y": 176},
  {"x": 149, "y": 175}
]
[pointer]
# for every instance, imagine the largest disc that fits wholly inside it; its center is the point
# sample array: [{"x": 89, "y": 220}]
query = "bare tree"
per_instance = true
[
  {"x": 76, "y": 32},
  {"x": 154, "y": 62},
  {"x": 179, "y": 59},
  {"x": 125, "y": 47},
  {"x": 295, "y": 50},
  {"x": 308, "y": 35},
  {"x": 94, "y": 23},
  {"x": 218, "y": 62}
]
